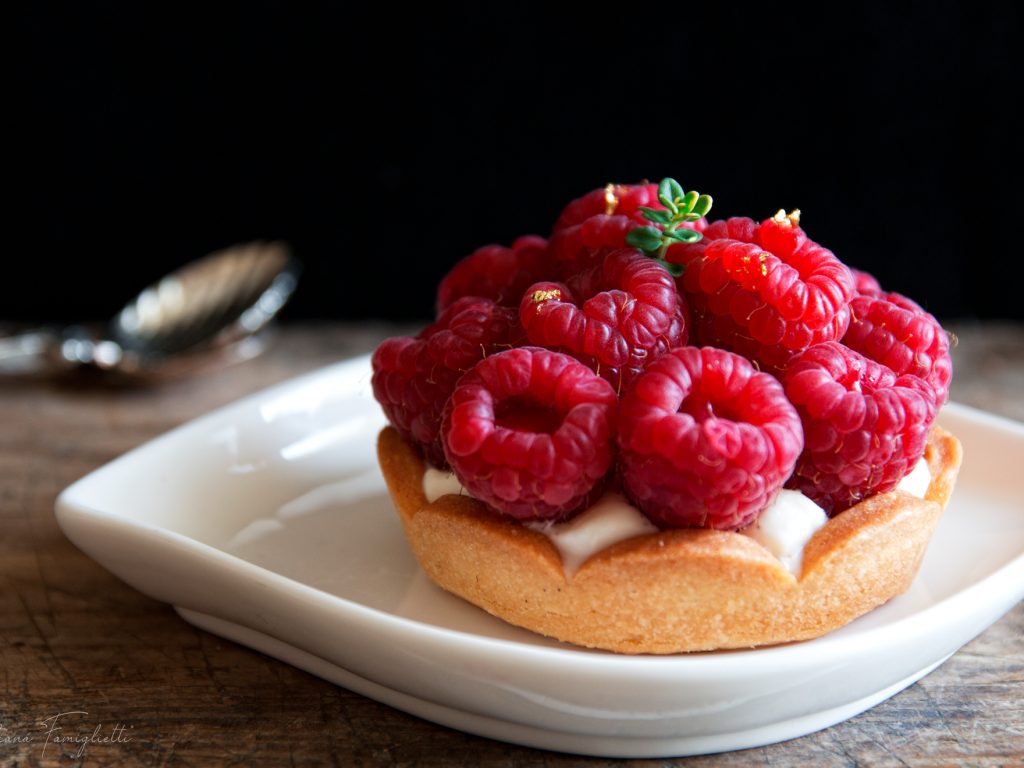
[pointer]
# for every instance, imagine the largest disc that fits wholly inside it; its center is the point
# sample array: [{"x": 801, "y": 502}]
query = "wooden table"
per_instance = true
[{"x": 74, "y": 639}]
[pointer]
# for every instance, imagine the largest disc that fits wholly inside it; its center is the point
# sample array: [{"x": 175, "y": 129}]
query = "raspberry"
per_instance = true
[
  {"x": 766, "y": 292},
  {"x": 497, "y": 273},
  {"x": 865, "y": 284},
  {"x": 705, "y": 439},
  {"x": 616, "y": 317},
  {"x": 600, "y": 220},
  {"x": 583, "y": 245},
  {"x": 623, "y": 199},
  {"x": 413, "y": 377},
  {"x": 894, "y": 331},
  {"x": 864, "y": 426},
  {"x": 530, "y": 432}
]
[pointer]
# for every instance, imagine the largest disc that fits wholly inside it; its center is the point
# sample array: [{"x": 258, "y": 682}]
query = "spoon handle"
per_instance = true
[{"x": 29, "y": 352}]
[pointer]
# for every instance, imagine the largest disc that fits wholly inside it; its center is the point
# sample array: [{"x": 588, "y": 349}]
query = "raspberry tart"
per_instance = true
[{"x": 649, "y": 433}]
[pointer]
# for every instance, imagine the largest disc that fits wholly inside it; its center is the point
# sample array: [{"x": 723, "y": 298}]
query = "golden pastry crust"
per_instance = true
[{"x": 675, "y": 590}]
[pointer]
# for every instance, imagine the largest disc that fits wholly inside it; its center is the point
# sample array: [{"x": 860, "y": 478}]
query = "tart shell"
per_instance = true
[{"x": 675, "y": 590}]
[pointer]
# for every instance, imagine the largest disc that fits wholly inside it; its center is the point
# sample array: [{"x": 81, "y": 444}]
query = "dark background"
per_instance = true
[{"x": 384, "y": 144}]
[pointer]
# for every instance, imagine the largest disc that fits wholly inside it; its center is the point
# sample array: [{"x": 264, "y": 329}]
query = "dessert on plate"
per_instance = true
[{"x": 652, "y": 433}]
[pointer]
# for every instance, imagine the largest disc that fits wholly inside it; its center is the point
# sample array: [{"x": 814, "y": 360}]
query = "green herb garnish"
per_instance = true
[{"x": 681, "y": 207}]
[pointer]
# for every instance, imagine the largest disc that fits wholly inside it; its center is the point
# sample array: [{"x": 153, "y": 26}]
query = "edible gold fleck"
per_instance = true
[
  {"x": 551, "y": 293},
  {"x": 611, "y": 200}
]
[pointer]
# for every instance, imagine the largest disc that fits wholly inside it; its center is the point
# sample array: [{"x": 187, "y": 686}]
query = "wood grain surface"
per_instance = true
[{"x": 137, "y": 686}]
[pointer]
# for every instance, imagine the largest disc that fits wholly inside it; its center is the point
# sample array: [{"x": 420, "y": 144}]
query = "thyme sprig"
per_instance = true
[{"x": 680, "y": 207}]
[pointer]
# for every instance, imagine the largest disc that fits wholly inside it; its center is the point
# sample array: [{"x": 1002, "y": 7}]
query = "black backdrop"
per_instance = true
[{"x": 384, "y": 144}]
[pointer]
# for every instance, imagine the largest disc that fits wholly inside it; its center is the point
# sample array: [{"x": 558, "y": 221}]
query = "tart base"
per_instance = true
[{"x": 676, "y": 590}]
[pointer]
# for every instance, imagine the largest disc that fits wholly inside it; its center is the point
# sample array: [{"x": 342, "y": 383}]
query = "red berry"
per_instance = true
[
  {"x": 497, "y": 273},
  {"x": 894, "y": 331},
  {"x": 764, "y": 291},
  {"x": 705, "y": 439},
  {"x": 598, "y": 222},
  {"x": 864, "y": 426},
  {"x": 530, "y": 432},
  {"x": 622, "y": 199},
  {"x": 583, "y": 245},
  {"x": 616, "y": 317},
  {"x": 865, "y": 283},
  {"x": 413, "y": 377}
]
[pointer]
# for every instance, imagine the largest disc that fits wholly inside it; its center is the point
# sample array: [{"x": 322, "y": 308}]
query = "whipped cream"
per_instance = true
[
  {"x": 916, "y": 481},
  {"x": 789, "y": 522},
  {"x": 785, "y": 527},
  {"x": 438, "y": 483},
  {"x": 611, "y": 520}
]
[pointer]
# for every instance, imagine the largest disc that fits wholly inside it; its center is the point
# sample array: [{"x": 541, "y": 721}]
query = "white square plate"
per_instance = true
[{"x": 268, "y": 522}]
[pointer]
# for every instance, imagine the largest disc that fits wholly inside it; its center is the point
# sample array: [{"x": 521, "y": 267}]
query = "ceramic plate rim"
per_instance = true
[
  {"x": 68, "y": 504},
  {"x": 108, "y": 527}
]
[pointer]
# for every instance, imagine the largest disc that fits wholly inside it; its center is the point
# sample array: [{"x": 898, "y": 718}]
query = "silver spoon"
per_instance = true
[{"x": 211, "y": 305}]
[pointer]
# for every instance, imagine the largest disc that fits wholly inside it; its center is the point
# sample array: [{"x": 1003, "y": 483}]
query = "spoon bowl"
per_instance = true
[{"x": 209, "y": 306}]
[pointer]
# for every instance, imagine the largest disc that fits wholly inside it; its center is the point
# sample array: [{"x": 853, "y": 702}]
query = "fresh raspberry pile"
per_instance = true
[
  {"x": 614, "y": 199},
  {"x": 865, "y": 427},
  {"x": 497, "y": 273},
  {"x": 706, "y": 440},
  {"x": 599, "y": 222},
  {"x": 558, "y": 367},
  {"x": 529, "y": 431},
  {"x": 765, "y": 291},
  {"x": 894, "y": 331},
  {"x": 414, "y": 377},
  {"x": 615, "y": 316}
]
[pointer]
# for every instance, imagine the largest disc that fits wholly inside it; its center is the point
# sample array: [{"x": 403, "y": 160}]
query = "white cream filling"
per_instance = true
[
  {"x": 611, "y": 520},
  {"x": 437, "y": 483},
  {"x": 916, "y": 481},
  {"x": 783, "y": 528},
  {"x": 789, "y": 522}
]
